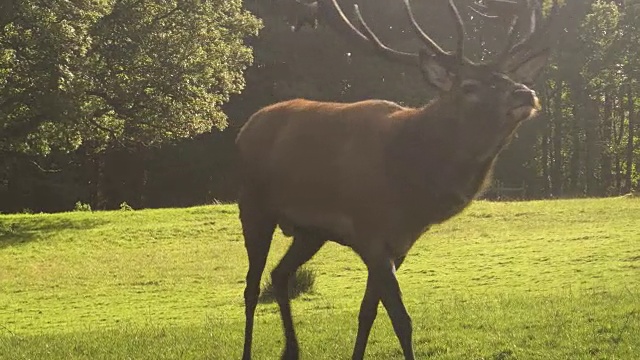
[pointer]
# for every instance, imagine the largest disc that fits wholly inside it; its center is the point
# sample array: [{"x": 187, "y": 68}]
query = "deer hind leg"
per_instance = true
[
  {"x": 367, "y": 315},
  {"x": 257, "y": 227},
  {"x": 305, "y": 244},
  {"x": 383, "y": 282}
]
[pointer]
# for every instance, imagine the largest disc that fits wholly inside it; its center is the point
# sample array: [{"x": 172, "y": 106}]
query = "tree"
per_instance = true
[
  {"x": 61, "y": 64},
  {"x": 118, "y": 73}
]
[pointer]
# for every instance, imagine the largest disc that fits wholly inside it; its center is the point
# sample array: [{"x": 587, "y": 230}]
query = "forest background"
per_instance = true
[{"x": 139, "y": 101}]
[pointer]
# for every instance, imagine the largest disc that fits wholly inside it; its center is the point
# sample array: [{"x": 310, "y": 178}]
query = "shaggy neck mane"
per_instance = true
[{"x": 433, "y": 169}]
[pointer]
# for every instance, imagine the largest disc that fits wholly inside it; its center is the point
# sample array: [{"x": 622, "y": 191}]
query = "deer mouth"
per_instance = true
[
  {"x": 526, "y": 105},
  {"x": 523, "y": 112}
]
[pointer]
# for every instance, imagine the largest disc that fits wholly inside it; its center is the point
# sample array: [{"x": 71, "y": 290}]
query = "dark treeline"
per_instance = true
[{"x": 584, "y": 143}]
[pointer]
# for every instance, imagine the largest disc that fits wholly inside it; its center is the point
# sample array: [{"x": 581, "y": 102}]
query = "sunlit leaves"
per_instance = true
[
  {"x": 600, "y": 33},
  {"x": 118, "y": 72}
]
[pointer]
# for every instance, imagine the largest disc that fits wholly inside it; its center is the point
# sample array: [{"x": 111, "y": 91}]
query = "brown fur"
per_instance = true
[
  {"x": 371, "y": 175},
  {"x": 362, "y": 171}
]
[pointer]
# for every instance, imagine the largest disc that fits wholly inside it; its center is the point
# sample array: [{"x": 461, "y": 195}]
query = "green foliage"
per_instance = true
[
  {"x": 526, "y": 280},
  {"x": 118, "y": 72},
  {"x": 600, "y": 33},
  {"x": 80, "y": 206},
  {"x": 125, "y": 207}
]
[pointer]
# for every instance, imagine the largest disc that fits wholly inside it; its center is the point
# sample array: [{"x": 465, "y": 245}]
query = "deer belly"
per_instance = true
[
  {"x": 336, "y": 225},
  {"x": 447, "y": 206}
]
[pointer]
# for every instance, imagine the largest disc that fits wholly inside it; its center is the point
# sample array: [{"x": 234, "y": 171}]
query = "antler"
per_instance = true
[
  {"x": 515, "y": 19},
  {"x": 501, "y": 9},
  {"x": 431, "y": 44},
  {"x": 337, "y": 17},
  {"x": 333, "y": 13},
  {"x": 514, "y": 15},
  {"x": 510, "y": 56},
  {"x": 529, "y": 45},
  {"x": 461, "y": 32}
]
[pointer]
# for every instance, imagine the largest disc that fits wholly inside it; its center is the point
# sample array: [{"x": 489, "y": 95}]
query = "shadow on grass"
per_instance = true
[{"x": 15, "y": 232}]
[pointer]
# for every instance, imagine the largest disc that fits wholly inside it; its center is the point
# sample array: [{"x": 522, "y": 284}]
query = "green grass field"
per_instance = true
[{"x": 525, "y": 280}]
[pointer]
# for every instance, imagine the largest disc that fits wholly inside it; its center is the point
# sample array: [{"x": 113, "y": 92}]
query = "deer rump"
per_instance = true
[{"x": 338, "y": 168}]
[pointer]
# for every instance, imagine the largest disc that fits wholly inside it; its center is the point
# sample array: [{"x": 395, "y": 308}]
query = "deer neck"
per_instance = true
[
  {"x": 467, "y": 141},
  {"x": 436, "y": 172}
]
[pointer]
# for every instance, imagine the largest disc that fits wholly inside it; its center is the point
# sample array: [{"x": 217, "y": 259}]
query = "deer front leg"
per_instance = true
[
  {"x": 382, "y": 273},
  {"x": 302, "y": 249},
  {"x": 367, "y": 315}
]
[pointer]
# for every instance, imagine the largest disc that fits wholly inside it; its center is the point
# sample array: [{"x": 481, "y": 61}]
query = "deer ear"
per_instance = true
[
  {"x": 527, "y": 71},
  {"x": 435, "y": 72}
]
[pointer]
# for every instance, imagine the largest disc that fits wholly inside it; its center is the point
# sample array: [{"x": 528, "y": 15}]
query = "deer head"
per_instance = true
[{"x": 496, "y": 92}]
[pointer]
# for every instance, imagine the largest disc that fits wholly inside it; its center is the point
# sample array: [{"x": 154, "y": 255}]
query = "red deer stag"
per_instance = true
[{"x": 373, "y": 175}]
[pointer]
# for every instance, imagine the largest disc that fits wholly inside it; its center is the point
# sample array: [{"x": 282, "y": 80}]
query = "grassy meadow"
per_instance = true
[{"x": 523, "y": 280}]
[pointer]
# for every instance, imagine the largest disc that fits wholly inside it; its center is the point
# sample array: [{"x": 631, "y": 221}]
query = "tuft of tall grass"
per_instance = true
[{"x": 299, "y": 283}]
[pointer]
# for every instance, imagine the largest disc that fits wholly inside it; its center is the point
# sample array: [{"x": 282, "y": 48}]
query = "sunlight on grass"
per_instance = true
[{"x": 526, "y": 280}]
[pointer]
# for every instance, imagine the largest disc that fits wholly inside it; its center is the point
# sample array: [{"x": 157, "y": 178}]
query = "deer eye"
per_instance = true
[{"x": 470, "y": 87}]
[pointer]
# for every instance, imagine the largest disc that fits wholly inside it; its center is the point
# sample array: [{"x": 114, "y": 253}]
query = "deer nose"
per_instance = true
[{"x": 525, "y": 97}]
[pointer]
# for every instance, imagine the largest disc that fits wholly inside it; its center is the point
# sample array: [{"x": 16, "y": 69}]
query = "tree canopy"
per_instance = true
[
  {"x": 119, "y": 75},
  {"x": 118, "y": 72}
]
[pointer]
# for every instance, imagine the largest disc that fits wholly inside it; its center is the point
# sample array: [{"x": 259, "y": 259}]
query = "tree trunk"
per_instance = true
[
  {"x": 619, "y": 135},
  {"x": 605, "y": 139},
  {"x": 591, "y": 148},
  {"x": 557, "y": 165},
  {"x": 101, "y": 183},
  {"x": 618, "y": 178},
  {"x": 630, "y": 144},
  {"x": 91, "y": 163},
  {"x": 544, "y": 145},
  {"x": 574, "y": 164},
  {"x": 545, "y": 157}
]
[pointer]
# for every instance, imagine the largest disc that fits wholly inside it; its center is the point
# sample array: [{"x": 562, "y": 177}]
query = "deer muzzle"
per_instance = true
[
  {"x": 524, "y": 104},
  {"x": 525, "y": 97}
]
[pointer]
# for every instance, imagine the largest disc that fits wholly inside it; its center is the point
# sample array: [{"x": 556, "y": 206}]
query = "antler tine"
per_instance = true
[
  {"x": 337, "y": 18},
  {"x": 535, "y": 34},
  {"x": 512, "y": 34},
  {"x": 481, "y": 13},
  {"x": 526, "y": 39},
  {"x": 381, "y": 47},
  {"x": 431, "y": 44},
  {"x": 461, "y": 31}
]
